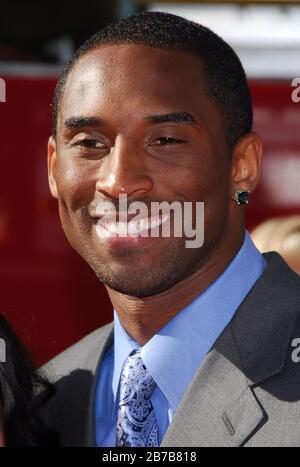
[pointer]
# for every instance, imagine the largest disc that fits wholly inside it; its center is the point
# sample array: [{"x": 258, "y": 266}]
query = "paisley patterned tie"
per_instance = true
[{"x": 137, "y": 425}]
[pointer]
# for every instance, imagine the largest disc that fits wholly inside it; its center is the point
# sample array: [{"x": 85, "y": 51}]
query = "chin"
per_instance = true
[{"x": 136, "y": 283}]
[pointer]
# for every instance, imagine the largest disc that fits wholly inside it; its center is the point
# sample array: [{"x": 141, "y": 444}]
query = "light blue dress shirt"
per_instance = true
[{"x": 174, "y": 354}]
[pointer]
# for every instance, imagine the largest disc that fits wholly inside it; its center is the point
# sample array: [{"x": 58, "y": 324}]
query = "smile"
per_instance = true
[{"x": 110, "y": 227}]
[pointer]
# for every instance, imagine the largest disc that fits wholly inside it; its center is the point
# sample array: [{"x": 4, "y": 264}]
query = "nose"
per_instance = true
[{"x": 124, "y": 171}]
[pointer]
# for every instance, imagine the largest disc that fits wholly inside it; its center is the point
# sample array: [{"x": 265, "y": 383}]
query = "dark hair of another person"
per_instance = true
[
  {"x": 224, "y": 77},
  {"x": 19, "y": 399}
]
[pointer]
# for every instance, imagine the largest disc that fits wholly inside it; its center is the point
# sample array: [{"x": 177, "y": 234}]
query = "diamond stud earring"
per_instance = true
[{"x": 241, "y": 197}]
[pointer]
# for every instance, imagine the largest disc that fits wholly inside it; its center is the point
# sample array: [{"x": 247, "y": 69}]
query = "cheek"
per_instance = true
[
  {"x": 200, "y": 182},
  {"x": 209, "y": 184},
  {"x": 75, "y": 185}
]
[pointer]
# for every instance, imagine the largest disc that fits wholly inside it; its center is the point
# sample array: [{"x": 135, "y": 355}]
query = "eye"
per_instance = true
[
  {"x": 166, "y": 141},
  {"x": 91, "y": 144}
]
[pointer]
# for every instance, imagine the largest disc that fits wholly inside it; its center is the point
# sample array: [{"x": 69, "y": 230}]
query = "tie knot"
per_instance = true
[{"x": 136, "y": 382}]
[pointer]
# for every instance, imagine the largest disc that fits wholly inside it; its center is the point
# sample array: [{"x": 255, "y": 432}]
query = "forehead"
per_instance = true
[
  {"x": 137, "y": 61},
  {"x": 127, "y": 77}
]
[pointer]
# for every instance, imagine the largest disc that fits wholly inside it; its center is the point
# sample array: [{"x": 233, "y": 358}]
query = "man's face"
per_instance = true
[{"x": 125, "y": 145}]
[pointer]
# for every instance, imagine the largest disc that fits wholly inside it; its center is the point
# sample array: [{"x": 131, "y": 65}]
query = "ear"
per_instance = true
[
  {"x": 246, "y": 163},
  {"x": 52, "y": 165}
]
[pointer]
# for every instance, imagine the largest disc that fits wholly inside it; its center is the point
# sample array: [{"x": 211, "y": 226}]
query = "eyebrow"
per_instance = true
[
  {"x": 174, "y": 117},
  {"x": 79, "y": 122}
]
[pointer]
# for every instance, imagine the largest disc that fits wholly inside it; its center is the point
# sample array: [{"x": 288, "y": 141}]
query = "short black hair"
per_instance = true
[{"x": 224, "y": 76}]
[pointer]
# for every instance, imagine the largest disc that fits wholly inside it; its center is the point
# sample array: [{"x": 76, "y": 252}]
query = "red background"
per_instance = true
[{"x": 47, "y": 292}]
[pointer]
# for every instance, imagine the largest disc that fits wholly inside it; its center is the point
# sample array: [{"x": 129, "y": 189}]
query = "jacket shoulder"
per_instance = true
[{"x": 84, "y": 354}]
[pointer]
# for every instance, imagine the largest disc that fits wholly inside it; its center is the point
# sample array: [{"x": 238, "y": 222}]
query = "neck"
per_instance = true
[{"x": 143, "y": 317}]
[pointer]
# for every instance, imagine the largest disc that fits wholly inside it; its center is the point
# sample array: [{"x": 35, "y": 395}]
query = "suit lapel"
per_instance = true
[
  {"x": 263, "y": 325},
  {"x": 90, "y": 440},
  {"x": 219, "y": 407}
]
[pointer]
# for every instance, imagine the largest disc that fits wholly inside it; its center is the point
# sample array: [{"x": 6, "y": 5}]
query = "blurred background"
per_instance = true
[{"x": 49, "y": 295}]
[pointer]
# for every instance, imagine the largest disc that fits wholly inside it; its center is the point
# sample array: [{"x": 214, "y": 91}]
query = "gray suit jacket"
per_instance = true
[{"x": 246, "y": 392}]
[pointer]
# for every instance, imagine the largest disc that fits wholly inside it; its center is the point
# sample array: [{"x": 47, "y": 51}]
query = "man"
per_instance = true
[{"x": 203, "y": 348}]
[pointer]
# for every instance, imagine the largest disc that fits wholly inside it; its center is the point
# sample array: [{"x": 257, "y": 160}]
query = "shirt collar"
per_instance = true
[
  {"x": 124, "y": 345},
  {"x": 173, "y": 355}
]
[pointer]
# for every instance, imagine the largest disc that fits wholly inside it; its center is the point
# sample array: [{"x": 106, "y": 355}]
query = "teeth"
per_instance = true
[{"x": 132, "y": 227}]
